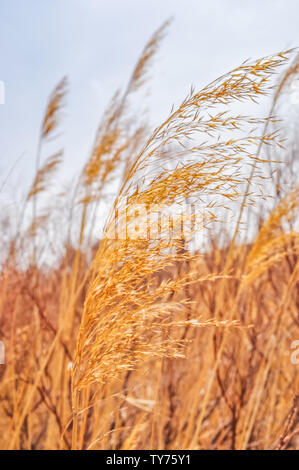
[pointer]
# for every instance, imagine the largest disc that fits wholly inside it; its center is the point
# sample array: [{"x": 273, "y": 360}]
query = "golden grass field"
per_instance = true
[{"x": 152, "y": 342}]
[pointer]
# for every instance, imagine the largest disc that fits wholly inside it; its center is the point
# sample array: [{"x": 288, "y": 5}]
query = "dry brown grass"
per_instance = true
[{"x": 146, "y": 342}]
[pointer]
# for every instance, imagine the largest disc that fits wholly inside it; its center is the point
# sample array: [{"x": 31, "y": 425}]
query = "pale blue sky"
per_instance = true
[{"x": 97, "y": 42}]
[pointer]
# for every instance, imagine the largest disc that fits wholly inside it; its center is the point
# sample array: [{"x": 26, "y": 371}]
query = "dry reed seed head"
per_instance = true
[
  {"x": 110, "y": 140},
  {"x": 126, "y": 306},
  {"x": 41, "y": 180},
  {"x": 53, "y": 111},
  {"x": 187, "y": 121},
  {"x": 130, "y": 316},
  {"x": 275, "y": 238},
  {"x": 50, "y": 166},
  {"x": 107, "y": 138},
  {"x": 38, "y": 223},
  {"x": 124, "y": 318},
  {"x": 96, "y": 162},
  {"x": 139, "y": 75}
]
